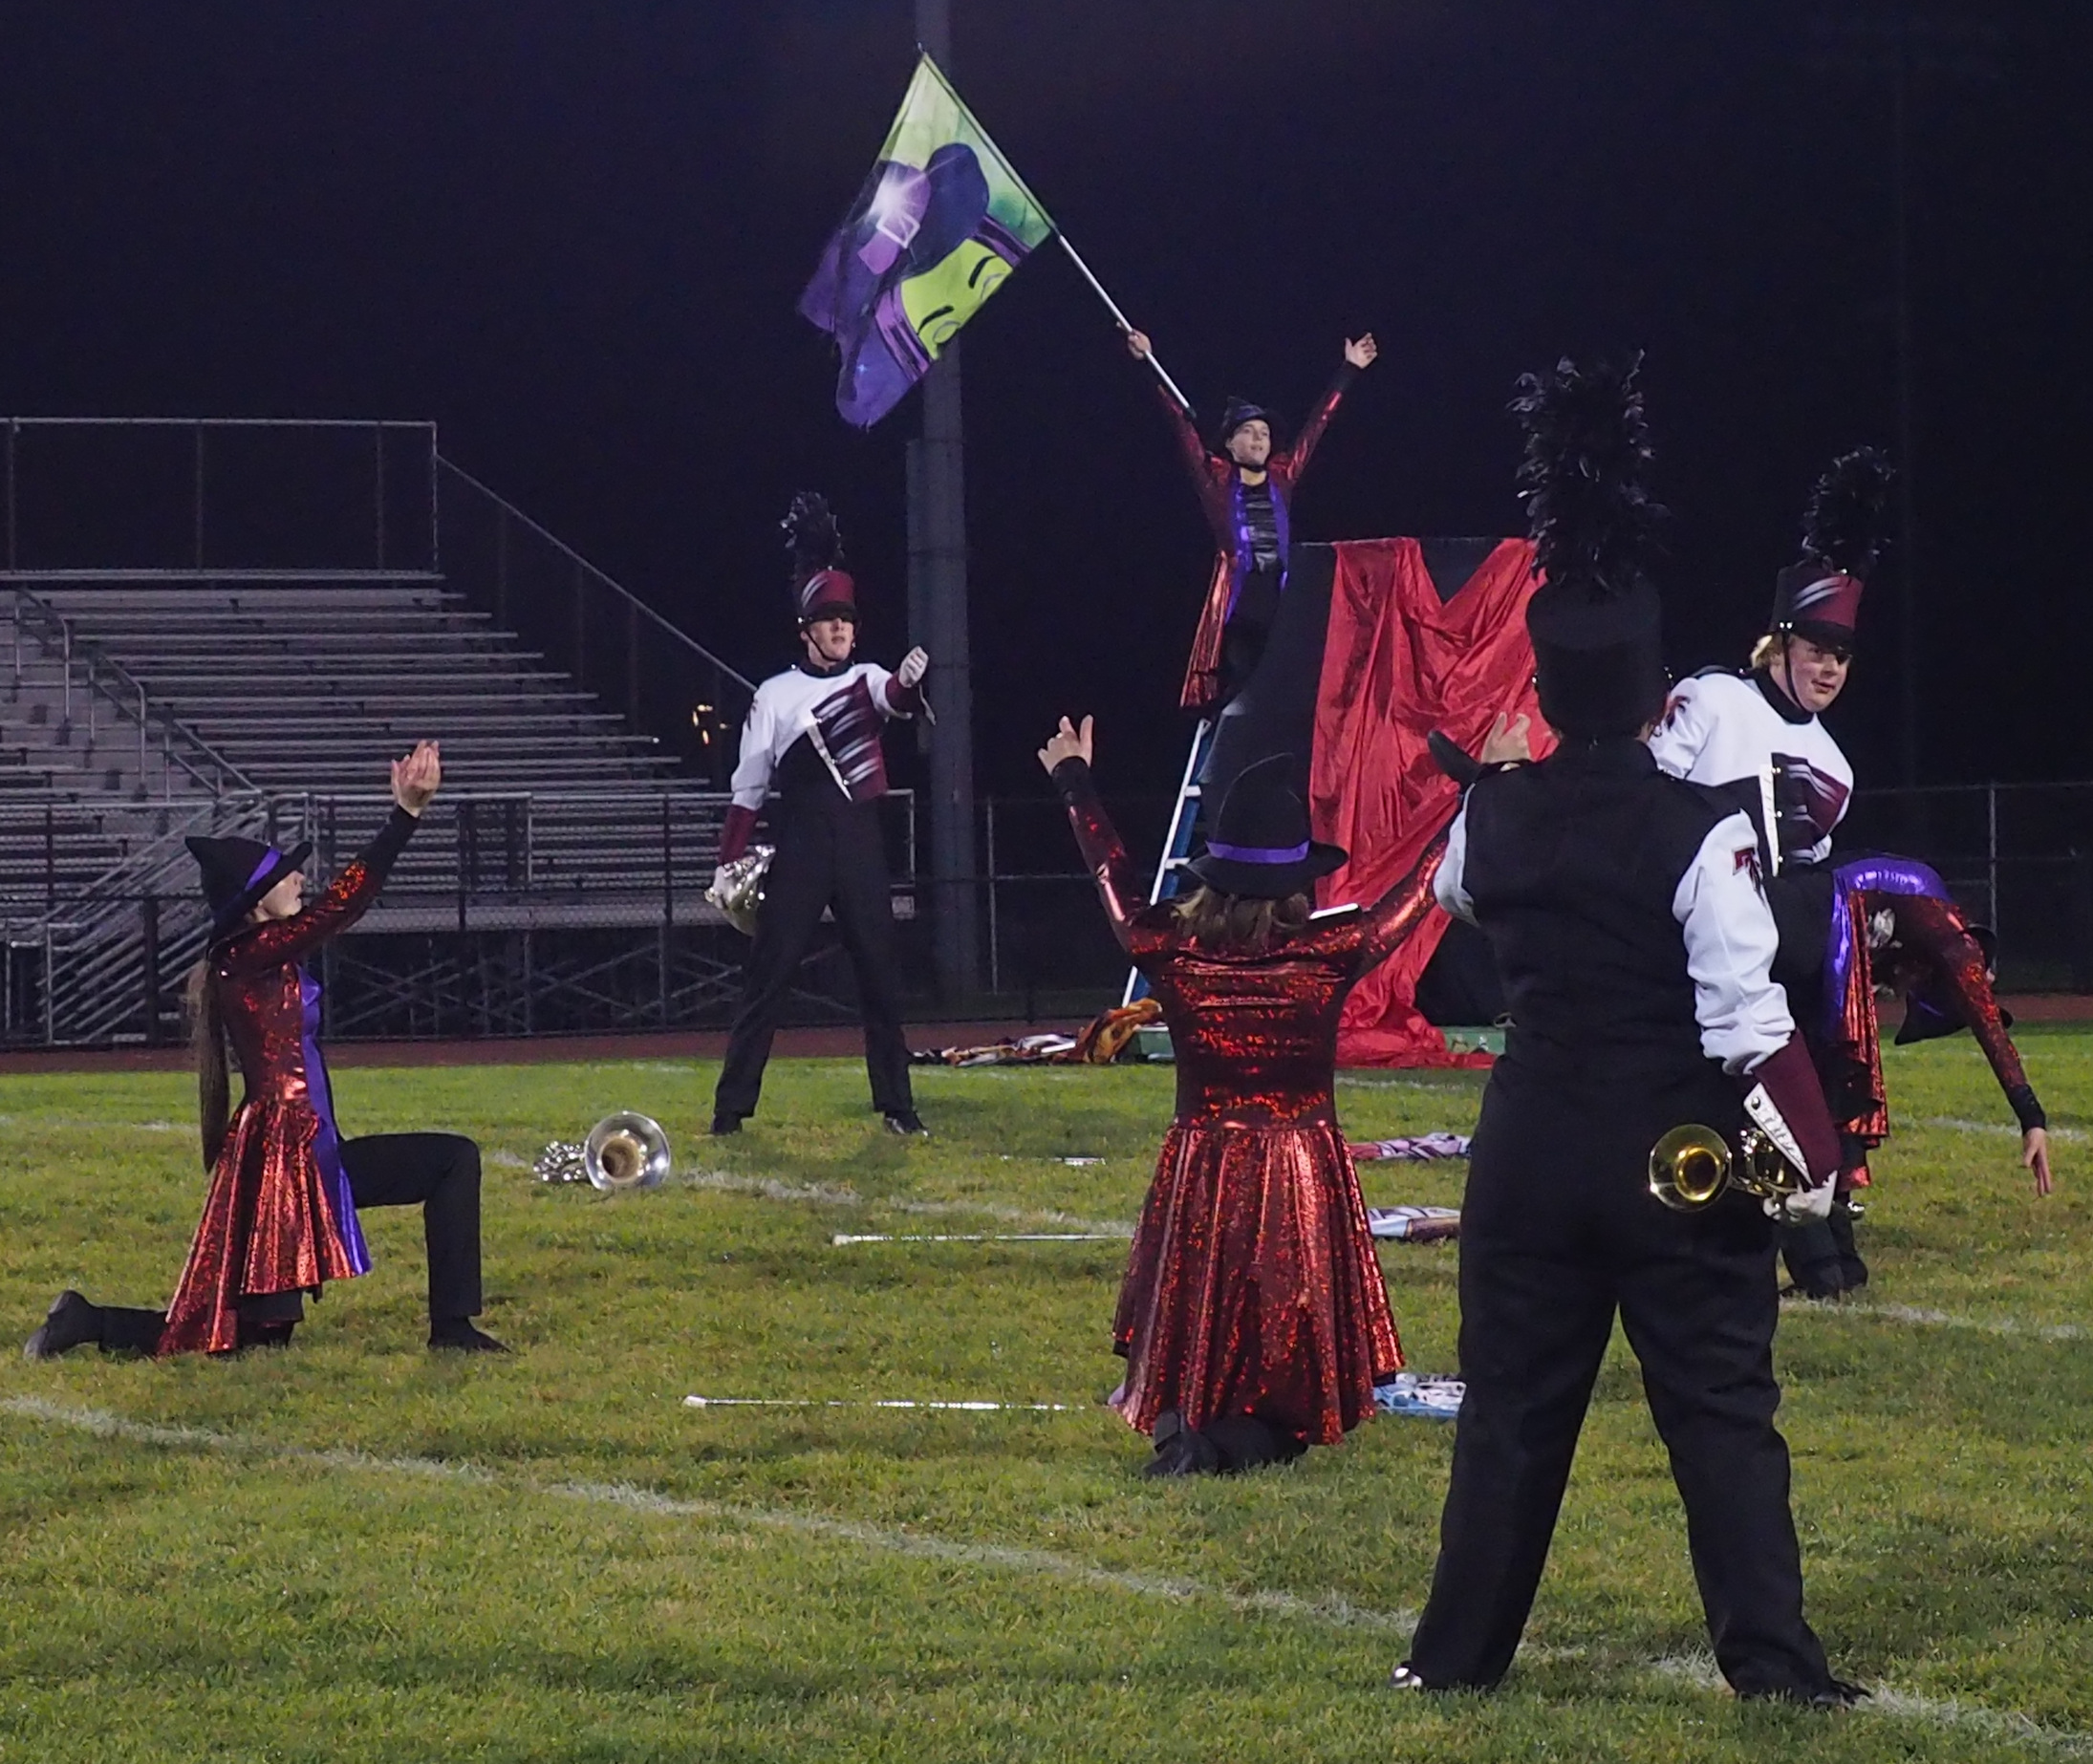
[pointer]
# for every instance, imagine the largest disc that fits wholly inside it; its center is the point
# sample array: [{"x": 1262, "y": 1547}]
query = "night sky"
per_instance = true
[{"x": 573, "y": 235}]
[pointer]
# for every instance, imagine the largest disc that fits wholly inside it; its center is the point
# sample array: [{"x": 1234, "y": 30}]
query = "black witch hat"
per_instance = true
[
  {"x": 820, "y": 586},
  {"x": 1238, "y": 412},
  {"x": 1262, "y": 843},
  {"x": 1845, "y": 532},
  {"x": 1596, "y": 622},
  {"x": 237, "y": 872}
]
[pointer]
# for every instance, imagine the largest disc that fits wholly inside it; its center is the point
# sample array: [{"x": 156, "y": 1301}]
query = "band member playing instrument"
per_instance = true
[
  {"x": 1246, "y": 493},
  {"x": 1845, "y": 927},
  {"x": 1252, "y": 1317},
  {"x": 1624, "y": 911},
  {"x": 812, "y": 738},
  {"x": 280, "y": 1219}
]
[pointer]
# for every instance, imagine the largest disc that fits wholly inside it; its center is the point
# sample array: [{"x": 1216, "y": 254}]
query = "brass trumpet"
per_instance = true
[{"x": 1692, "y": 1165}]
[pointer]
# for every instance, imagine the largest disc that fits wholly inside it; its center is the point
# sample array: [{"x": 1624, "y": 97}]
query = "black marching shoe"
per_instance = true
[
  {"x": 1180, "y": 1451},
  {"x": 70, "y": 1323},
  {"x": 907, "y": 1123},
  {"x": 459, "y": 1336},
  {"x": 1401, "y": 1677},
  {"x": 1833, "y": 1693},
  {"x": 723, "y": 1125}
]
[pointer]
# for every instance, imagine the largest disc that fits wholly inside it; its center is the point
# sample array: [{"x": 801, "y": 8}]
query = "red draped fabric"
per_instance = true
[{"x": 1396, "y": 665}]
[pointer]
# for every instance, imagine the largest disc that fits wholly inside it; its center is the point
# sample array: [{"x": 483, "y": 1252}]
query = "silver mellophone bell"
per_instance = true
[
  {"x": 624, "y": 1150},
  {"x": 737, "y": 894}
]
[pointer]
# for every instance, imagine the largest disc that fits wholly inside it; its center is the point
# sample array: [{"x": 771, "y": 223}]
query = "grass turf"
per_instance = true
[{"x": 357, "y": 1550}]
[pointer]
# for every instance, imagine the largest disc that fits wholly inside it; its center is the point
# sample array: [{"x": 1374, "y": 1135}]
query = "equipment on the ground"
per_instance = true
[{"x": 624, "y": 1150}]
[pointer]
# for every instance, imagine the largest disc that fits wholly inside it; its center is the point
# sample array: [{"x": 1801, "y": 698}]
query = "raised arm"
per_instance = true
[
  {"x": 1399, "y": 911},
  {"x": 274, "y": 942},
  {"x": 1066, "y": 758},
  {"x": 1358, "y": 356}
]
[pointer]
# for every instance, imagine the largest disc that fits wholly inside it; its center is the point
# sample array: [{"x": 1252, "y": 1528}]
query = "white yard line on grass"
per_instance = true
[
  {"x": 1955, "y": 1124},
  {"x": 1934, "y": 1320},
  {"x": 828, "y": 1195},
  {"x": 1699, "y": 1669},
  {"x": 1328, "y": 1608},
  {"x": 1331, "y": 1609}
]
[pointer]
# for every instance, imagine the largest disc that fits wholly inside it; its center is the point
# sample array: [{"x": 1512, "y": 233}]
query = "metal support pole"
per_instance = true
[
  {"x": 995, "y": 942},
  {"x": 1990, "y": 851},
  {"x": 1908, "y": 548},
  {"x": 149, "y": 928},
  {"x": 937, "y": 619}
]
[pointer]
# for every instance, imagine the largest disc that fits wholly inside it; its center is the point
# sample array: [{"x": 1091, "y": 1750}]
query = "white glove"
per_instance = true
[
  {"x": 913, "y": 666},
  {"x": 719, "y": 882},
  {"x": 1812, "y": 1203}
]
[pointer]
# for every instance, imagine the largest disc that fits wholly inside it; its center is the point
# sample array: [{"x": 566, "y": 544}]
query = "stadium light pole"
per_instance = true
[{"x": 937, "y": 619}]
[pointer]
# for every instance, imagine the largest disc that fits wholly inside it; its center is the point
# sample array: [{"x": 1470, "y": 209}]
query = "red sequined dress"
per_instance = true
[
  {"x": 1252, "y": 1287},
  {"x": 278, "y": 1217}
]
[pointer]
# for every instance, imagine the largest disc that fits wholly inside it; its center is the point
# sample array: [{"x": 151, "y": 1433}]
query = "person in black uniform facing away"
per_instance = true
[
  {"x": 1626, "y": 916},
  {"x": 812, "y": 737}
]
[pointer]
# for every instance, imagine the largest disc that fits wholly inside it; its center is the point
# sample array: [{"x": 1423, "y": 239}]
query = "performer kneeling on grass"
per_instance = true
[
  {"x": 280, "y": 1219},
  {"x": 1623, "y": 910},
  {"x": 1252, "y": 1317},
  {"x": 1846, "y": 925},
  {"x": 812, "y": 734}
]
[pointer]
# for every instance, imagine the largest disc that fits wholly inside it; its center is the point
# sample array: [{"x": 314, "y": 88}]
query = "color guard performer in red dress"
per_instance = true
[
  {"x": 1253, "y": 1319},
  {"x": 280, "y": 1218}
]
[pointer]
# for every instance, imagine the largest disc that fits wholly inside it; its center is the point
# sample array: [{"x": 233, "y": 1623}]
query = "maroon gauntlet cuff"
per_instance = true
[
  {"x": 1784, "y": 1100},
  {"x": 735, "y": 833}
]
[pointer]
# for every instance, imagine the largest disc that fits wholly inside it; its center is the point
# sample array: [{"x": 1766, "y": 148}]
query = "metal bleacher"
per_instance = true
[{"x": 247, "y": 652}]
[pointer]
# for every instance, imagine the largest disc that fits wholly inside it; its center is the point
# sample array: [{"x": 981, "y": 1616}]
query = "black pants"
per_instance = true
[
  {"x": 1820, "y": 1255},
  {"x": 439, "y": 1172},
  {"x": 832, "y": 859},
  {"x": 1559, "y": 1233}
]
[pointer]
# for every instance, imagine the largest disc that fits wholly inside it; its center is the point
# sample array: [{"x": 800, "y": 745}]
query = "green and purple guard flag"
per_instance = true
[{"x": 937, "y": 228}]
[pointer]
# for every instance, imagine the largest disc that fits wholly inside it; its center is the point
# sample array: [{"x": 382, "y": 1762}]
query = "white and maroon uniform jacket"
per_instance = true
[
  {"x": 839, "y": 715},
  {"x": 1719, "y": 728}
]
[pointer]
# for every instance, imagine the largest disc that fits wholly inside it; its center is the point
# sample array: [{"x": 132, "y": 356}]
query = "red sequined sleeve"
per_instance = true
[
  {"x": 1103, "y": 853},
  {"x": 347, "y": 898},
  {"x": 1310, "y": 436},
  {"x": 1938, "y": 929},
  {"x": 1399, "y": 911}
]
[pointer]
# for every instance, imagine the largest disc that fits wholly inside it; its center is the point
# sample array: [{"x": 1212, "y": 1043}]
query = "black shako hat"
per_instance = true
[
  {"x": 1261, "y": 844},
  {"x": 1238, "y": 412},
  {"x": 1595, "y": 621},
  {"x": 820, "y": 586},
  {"x": 1845, "y": 532},
  {"x": 237, "y": 872}
]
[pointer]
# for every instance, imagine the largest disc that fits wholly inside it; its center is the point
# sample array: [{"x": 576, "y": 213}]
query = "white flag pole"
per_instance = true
[{"x": 1119, "y": 318}]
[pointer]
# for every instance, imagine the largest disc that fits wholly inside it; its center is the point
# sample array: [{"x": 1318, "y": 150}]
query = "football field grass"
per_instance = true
[{"x": 356, "y": 1550}]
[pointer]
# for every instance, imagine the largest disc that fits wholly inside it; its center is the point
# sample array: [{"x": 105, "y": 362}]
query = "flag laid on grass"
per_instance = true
[{"x": 936, "y": 230}]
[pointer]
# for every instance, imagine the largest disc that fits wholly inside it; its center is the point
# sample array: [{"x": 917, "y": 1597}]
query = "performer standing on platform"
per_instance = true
[
  {"x": 1623, "y": 910},
  {"x": 1845, "y": 926},
  {"x": 1252, "y": 1317},
  {"x": 1247, "y": 495},
  {"x": 280, "y": 1219},
  {"x": 812, "y": 737}
]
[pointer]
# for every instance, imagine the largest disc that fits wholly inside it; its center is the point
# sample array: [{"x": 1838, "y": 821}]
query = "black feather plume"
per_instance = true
[
  {"x": 1585, "y": 477},
  {"x": 1846, "y": 523},
  {"x": 811, "y": 537}
]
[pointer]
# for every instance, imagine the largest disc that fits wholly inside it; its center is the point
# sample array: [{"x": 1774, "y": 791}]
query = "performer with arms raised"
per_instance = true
[
  {"x": 280, "y": 1219},
  {"x": 1252, "y": 1317},
  {"x": 1247, "y": 497},
  {"x": 1844, "y": 926},
  {"x": 1623, "y": 912},
  {"x": 812, "y": 738}
]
